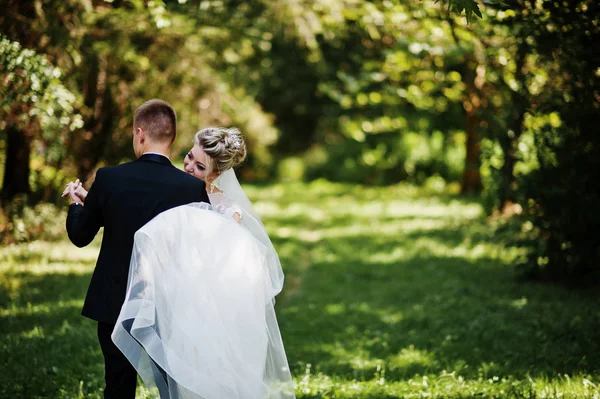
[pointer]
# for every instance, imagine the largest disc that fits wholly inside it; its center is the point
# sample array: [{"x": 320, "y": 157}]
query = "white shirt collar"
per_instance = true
[{"x": 156, "y": 153}]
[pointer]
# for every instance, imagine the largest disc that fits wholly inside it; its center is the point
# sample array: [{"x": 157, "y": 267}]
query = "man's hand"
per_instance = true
[{"x": 76, "y": 192}]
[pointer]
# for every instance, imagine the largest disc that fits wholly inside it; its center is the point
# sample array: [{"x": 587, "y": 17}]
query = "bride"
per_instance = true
[{"x": 198, "y": 319}]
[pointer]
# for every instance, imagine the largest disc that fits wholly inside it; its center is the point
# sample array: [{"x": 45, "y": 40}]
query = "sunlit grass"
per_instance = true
[{"x": 390, "y": 293}]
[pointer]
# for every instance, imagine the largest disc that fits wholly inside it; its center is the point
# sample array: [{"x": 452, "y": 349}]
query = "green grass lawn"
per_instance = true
[{"x": 390, "y": 293}]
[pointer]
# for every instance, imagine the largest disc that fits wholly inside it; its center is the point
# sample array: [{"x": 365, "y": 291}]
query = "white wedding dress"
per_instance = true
[{"x": 198, "y": 319}]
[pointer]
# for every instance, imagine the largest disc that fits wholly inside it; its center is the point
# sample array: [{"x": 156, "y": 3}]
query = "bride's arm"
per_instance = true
[
  {"x": 227, "y": 207},
  {"x": 233, "y": 210},
  {"x": 235, "y": 213}
]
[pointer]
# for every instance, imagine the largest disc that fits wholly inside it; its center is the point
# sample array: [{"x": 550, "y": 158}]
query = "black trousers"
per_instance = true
[{"x": 119, "y": 375}]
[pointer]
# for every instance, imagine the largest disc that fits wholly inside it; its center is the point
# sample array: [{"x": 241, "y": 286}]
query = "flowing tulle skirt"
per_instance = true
[{"x": 198, "y": 319}]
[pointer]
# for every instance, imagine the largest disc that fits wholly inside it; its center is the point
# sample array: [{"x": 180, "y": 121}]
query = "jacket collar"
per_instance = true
[{"x": 155, "y": 158}]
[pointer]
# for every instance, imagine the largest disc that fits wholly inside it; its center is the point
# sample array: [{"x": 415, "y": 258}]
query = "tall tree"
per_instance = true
[{"x": 33, "y": 100}]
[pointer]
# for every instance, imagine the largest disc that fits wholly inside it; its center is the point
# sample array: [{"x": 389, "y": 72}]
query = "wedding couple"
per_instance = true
[{"x": 184, "y": 286}]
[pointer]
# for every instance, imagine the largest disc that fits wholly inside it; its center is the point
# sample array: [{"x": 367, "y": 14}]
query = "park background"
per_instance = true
[{"x": 428, "y": 172}]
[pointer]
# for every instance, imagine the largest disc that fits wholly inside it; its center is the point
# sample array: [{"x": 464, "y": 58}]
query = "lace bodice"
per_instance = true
[{"x": 225, "y": 206}]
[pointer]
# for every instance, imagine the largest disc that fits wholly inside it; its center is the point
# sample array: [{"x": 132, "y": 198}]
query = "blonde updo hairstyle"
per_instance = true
[{"x": 225, "y": 147}]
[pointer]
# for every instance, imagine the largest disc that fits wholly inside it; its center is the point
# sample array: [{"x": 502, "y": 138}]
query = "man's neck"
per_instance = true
[{"x": 158, "y": 151}]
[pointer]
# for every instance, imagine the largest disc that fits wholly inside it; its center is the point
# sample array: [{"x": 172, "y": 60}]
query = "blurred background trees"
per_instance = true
[{"x": 367, "y": 92}]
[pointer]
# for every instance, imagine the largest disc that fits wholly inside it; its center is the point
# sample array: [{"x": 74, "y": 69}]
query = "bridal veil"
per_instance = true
[{"x": 198, "y": 319}]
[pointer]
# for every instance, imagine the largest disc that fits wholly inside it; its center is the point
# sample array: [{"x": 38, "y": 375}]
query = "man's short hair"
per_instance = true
[{"x": 158, "y": 119}]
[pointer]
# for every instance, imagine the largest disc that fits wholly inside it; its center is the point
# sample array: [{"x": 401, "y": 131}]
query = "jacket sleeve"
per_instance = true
[{"x": 83, "y": 222}]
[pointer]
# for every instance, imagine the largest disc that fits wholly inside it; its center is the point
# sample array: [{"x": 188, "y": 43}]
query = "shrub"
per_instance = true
[
  {"x": 23, "y": 223},
  {"x": 561, "y": 198}
]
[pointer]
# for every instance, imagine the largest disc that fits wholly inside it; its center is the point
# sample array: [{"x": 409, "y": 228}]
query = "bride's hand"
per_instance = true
[
  {"x": 81, "y": 192},
  {"x": 237, "y": 217},
  {"x": 78, "y": 190}
]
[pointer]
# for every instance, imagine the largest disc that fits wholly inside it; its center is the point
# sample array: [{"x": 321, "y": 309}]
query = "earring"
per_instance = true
[{"x": 212, "y": 186}]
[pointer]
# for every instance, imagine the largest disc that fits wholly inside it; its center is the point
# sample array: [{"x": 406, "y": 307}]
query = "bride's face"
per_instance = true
[{"x": 196, "y": 163}]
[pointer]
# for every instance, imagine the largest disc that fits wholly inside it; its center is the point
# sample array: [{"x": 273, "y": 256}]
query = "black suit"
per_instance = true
[{"x": 122, "y": 199}]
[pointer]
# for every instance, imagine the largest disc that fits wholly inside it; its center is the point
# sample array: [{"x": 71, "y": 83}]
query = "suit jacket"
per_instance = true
[{"x": 122, "y": 199}]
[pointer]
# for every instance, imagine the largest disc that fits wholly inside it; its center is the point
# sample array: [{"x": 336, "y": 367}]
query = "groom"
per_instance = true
[{"x": 122, "y": 199}]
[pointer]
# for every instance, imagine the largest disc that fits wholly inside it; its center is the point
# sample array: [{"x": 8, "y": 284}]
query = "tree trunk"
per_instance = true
[
  {"x": 90, "y": 145},
  {"x": 16, "y": 167},
  {"x": 510, "y": 141},
  {"x": 471, "y": 181}
]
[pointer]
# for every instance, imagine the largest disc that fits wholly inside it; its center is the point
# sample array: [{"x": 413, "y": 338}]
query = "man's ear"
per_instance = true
[{"x": 141, "y": 134}]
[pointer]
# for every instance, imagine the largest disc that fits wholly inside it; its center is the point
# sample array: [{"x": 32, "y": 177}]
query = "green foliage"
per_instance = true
[
  {"x": 390, "y": 293},
  {"x": 559, "y": 194},
  {"x": 411, "y": 157},
  {"x": 32, "y": 84},
  {"x": 469, "y": 7},
  {"x": 35, "y": 104},
  {"x": 21, "y": 223},
  {"x": 25, "y": 74},
  {"x": 371, "y": 92},
  {"x": 564, "y": 205},
  {"x": 368, "y": 77},
  {"x": 30, "y": 81}
]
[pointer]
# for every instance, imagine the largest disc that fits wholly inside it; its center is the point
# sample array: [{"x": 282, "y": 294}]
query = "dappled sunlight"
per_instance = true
[
  {"x": 40, "y": 309},
  {"x": 336, "y": 199},
  {"x": 72, "y": 267},
  {"x": 394, "y": 255},
  {"x": 368, "y": 227},
  {"x": 40, "y": 256},
  {"x": 43, "y": 336},
  {"x": 432, "y": 209},
  {"x": 335, "y": 308},
  {"x": 426, "y": 246},
  {"x": 445, "y": 385},
  {"x": 356, "y": 358},
  {"x": 409, "y": 357},
  {"x": 419, "y": 293},
  {"x": 383, "y": 298},
  {"x": 388, "y": 243},
  {"x": 332, "y": 207}
]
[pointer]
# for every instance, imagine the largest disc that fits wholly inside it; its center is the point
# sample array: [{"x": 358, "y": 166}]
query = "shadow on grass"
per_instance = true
[
  {"x": 430, "y": 314},
  {"x": 409, "y": 295},
  {"x": 47, "y": 349},
  {"x": 52, "y": 288}
]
